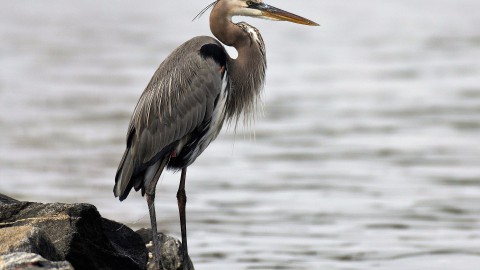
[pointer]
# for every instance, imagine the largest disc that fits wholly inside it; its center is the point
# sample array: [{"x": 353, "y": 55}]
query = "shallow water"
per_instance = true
[{"x": 366, "y": 156}]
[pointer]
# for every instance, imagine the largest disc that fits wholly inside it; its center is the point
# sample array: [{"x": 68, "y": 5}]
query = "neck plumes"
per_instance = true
[{"x": 247, "y": 72}]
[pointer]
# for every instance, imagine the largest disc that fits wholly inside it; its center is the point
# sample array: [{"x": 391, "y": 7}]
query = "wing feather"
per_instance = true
[{"x": 178, "y": 99}]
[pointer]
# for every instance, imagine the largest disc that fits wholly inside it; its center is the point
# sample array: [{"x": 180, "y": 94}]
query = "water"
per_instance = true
[{"x": 367, "y": 155}]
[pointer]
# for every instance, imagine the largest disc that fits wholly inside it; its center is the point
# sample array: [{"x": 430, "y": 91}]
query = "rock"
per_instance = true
[
  {"x": 31, "y": 261},
  {"x": 33, "y": 235},
  {"x": 170, "y": 251},
  {"x": 126, "y": 241},
  {"x": 27, "y": 239},
  {"x": 4, "y": 199},
  {"x": 77, "y": 233}
]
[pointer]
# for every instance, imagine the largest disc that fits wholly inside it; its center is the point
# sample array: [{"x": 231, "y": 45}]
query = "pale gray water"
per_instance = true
[{"x": 367, "y": 155}]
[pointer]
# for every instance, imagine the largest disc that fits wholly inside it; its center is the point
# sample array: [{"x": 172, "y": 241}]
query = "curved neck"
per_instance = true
[
  {"x": 246, "y": 73},
  {"x": 224, "y": 29}
]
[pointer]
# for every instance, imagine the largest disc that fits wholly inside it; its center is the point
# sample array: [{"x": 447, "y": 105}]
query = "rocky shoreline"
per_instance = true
[{"x": 74, "y": 236}]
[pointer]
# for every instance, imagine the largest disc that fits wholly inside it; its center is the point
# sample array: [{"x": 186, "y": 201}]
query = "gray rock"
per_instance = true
[
  {"x": 27, "y": 239},
  {"x": 170, "y": 251},
  {"x": 4, "y": 199},
  {"x": 78, "y": 234},
  {"x": 31, "y": 261}
]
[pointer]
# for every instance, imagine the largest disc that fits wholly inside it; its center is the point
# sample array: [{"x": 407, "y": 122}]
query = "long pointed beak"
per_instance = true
[{"x": 273, "y": 13}]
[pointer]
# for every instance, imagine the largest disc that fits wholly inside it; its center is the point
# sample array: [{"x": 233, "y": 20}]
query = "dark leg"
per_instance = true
[
  {"x": 150, "y": 195},
  {"x": 182, "y": 201},
  {"x": 153, "y": 221}
]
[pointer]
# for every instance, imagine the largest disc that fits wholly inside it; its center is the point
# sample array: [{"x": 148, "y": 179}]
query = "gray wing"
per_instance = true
[{"x": 180, "y": 96}]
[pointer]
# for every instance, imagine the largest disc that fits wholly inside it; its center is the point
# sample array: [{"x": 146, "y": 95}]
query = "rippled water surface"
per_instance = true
[{"x": 367, "y": 154}]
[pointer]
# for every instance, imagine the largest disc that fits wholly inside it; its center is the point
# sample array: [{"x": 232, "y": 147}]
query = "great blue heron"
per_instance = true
[{"x": 193, "y": 92}]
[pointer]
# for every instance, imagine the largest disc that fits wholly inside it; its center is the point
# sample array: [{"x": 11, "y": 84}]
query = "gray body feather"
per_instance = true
[
  {"x": 179, "y": 98},
  {"x": 184, "y": 106}
]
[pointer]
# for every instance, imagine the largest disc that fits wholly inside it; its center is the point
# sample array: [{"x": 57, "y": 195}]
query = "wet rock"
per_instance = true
[
  {"x": 31, "y": 261},
  {"x": 76, "y": 232},
  {"x": 171, "y": 253}
]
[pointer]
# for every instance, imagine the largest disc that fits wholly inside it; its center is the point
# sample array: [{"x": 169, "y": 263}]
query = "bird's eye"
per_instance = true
[{"x": 249, "y": 3}]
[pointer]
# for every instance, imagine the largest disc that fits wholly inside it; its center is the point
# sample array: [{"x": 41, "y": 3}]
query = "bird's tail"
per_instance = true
[
  {"x": 130, "y": 175},
  {"x": 123, "y": 178}
]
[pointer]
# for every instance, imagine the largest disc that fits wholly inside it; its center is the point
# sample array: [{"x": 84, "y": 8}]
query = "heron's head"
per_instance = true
[{"x": 259, "y": 9}]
